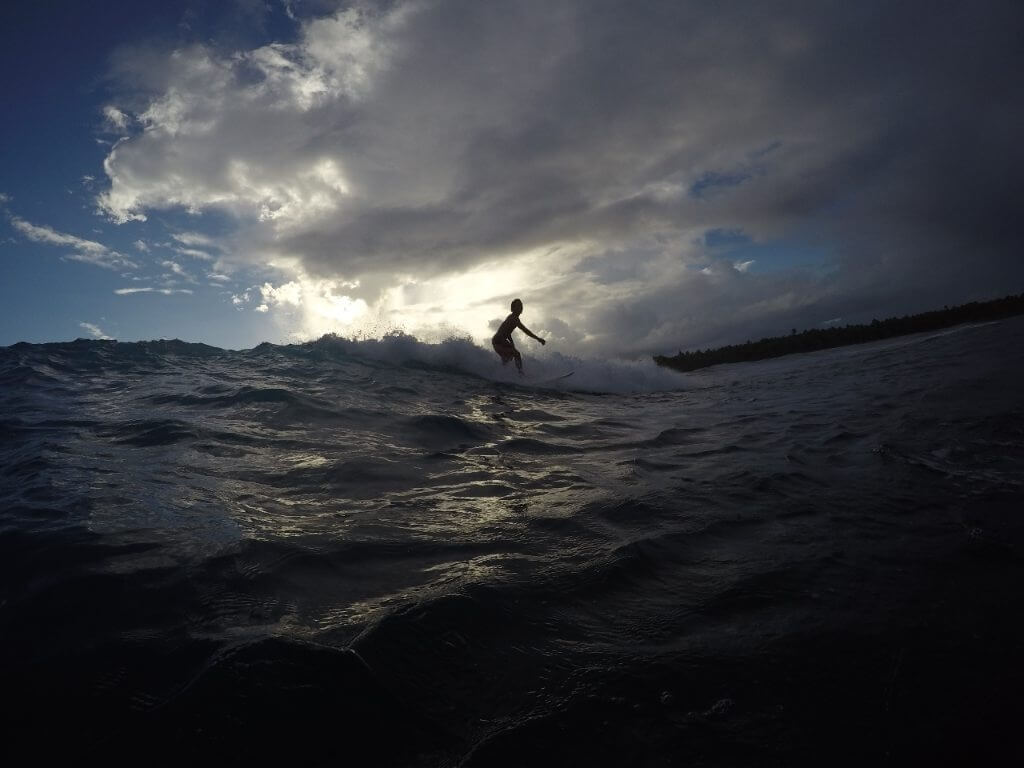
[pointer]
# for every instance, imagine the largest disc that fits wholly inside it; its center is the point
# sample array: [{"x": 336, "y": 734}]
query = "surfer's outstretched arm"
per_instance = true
[{"x": 530, "y": 333}]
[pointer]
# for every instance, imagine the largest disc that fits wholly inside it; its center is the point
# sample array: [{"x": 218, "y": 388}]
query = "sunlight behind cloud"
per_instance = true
[
  {"x": 460, "y": 304},
  {"x": 467, "y": 302},
  {"x": 308, "y": 308}
]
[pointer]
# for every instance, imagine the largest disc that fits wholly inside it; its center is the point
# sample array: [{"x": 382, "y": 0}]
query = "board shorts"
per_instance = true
[{"x": 505, "y": 350}]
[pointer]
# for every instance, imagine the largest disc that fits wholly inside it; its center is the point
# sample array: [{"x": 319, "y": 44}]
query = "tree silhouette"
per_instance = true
[{"x": 823, "y": 338}]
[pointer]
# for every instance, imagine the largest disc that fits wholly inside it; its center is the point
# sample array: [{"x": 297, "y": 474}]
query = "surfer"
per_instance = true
[{"x": 502, "y": 340}]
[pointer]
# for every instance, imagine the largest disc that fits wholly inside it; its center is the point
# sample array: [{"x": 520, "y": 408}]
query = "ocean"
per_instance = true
[{"x": 392, "y": 552}]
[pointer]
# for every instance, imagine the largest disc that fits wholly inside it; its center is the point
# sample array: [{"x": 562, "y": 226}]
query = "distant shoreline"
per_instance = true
[{"x": 824, "y": 338}]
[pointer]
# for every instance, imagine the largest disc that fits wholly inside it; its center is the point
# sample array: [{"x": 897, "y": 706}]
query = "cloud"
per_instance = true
[
  {"x": 95, "y": 331},
  {"x": 115, "y": 118},
  {"x": 88, "y": 251},
  {"x": 252, "y": 103},
  {"x": 140, "y": 245},
  {"x": 433, "y": 159},
  {"x": 190, "y": 239},
  {"x": 319, "y": 306},
  {"x": 289, "y": 294},
  {"x": 194, "y": 253},
  {"x": 150, "y": 289},
  {"x": 177, "y": 269}
]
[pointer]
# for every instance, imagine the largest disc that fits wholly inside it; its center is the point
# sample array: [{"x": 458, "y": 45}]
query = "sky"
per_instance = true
[{"x": 646, "y": 175}]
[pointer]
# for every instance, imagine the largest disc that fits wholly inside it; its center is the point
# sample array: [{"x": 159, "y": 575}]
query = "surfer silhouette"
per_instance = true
[{"x": 502, "y": 340}]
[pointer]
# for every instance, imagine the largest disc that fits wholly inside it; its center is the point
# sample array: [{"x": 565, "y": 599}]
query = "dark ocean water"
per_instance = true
[{"x": 391, "y": 553}]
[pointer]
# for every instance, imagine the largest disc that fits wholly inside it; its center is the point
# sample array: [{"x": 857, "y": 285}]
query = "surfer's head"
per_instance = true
[{"x": 517, "y": 306}]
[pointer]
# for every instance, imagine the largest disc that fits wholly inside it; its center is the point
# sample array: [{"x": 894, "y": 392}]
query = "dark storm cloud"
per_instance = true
[
  {"x": 912, "y": 109},
  {"x": 883, "y": 133}
]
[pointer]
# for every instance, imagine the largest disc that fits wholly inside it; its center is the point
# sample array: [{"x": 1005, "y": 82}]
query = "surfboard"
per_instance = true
[{"x": 555, "y": 378}]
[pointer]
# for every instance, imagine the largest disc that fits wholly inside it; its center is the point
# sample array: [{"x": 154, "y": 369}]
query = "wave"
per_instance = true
[
  {"x": 454, "y": 355},
  {"x": 460, "y": 355}
]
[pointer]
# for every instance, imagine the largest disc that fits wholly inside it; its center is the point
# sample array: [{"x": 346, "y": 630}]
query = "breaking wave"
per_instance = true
[{"x": 542, "y": 366}]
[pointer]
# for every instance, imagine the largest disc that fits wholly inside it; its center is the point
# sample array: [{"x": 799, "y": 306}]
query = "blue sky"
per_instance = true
[
  {"x": 53, "y": 167},
  {"x": 646, "y": 176}
]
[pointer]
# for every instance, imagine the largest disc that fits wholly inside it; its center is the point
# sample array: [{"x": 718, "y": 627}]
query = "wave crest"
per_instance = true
[{"x": 461, "y": 355}]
